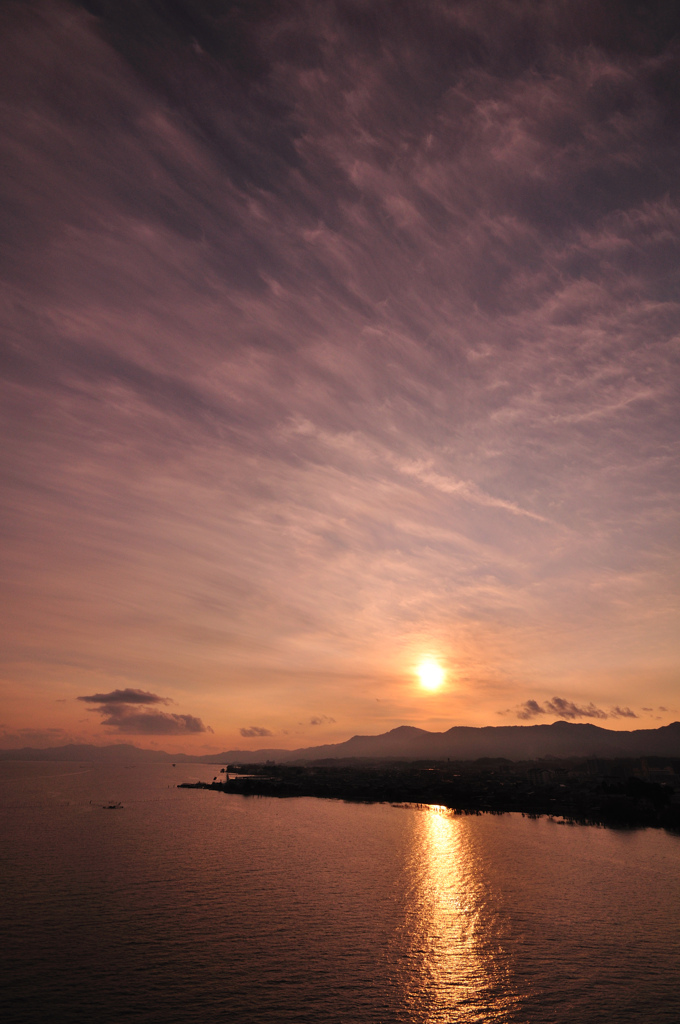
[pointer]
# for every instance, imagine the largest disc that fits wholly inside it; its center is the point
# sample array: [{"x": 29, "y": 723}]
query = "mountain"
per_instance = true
[
  {"x": 461, "y": 743},
  {"x": 515, "y": 742}
]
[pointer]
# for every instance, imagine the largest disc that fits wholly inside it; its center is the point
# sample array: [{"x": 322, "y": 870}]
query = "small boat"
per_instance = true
[{"x": 117, "y": 806}]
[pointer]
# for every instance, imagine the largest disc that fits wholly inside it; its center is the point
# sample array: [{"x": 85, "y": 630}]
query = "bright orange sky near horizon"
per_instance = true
[{"x": 335, "y": 347}]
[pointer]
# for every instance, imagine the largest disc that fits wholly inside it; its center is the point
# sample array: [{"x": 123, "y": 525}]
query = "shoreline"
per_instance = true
[{"x": 582, "y": 793}]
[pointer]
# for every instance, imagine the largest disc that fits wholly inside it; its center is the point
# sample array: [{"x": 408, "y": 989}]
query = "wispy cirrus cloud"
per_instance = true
[{"x": 343, "y": 336}]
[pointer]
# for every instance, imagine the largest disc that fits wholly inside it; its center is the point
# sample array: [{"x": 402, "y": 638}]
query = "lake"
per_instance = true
[{"x": 190, "y": 905}]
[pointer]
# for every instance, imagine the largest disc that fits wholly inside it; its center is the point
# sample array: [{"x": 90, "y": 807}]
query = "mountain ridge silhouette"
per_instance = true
[{"x": 407, "y": 742}]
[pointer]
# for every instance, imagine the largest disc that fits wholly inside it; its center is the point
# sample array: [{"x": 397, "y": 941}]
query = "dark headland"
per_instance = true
[{"x": 643, "y": 792}]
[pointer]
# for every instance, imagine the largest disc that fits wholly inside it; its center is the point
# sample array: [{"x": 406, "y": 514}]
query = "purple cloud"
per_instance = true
[
  {"x": 530, "y": 709},
  {"x": 127, "y": 696},
  {"x": 569, "y": 710},
  {"x": 255, "y": 730},
  {"x": 120, "y": 710},
  {"x": 618, "y": 712},
  {"x": 149, "y": 723}
]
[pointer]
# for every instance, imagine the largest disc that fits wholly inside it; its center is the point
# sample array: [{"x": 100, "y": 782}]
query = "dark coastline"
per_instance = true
[{"x": 618, "y": 794}]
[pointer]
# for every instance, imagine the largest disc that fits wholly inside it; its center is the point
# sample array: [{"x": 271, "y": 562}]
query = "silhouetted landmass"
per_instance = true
[
  {"x": 515, "y": 742},
  {"x": 116, "y": 753},
  {"x": 620, "y": 792}
]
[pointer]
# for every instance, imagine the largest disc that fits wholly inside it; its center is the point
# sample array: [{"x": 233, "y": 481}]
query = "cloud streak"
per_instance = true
[{"x": 127, "y": 696}]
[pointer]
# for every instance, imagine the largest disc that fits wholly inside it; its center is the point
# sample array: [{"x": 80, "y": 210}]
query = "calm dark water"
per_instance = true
[{"x": 194, "y": 906}]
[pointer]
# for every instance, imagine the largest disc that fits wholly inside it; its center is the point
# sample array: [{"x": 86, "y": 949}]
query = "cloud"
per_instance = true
[
  {"x": 530, "y": 709},
  {"x": 150, "y": 723},
  {"x": 127, "y": 696},
  {"x": 255, "y": 730},
  {"x": 460, "y": 276},
  {"x": 321, "y": 720},
  {"x": 618, "y": 712},
  {"x": 123, "y": 711},
  {"x": 567, "y": 709},
  {"x": 465, "y": 489}
]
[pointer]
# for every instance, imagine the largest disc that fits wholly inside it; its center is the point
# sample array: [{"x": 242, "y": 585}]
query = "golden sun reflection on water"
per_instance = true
[{"x": 456, "y": 928}]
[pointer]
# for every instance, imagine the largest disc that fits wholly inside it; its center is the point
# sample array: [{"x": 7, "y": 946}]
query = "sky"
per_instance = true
[{"x": 339, "y": 337}]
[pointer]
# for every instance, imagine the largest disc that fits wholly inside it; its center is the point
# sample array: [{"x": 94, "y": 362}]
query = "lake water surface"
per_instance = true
[{"x": 188, "y": 906}]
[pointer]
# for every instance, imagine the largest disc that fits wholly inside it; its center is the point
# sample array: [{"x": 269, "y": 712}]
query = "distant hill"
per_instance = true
[
  {"x": 461, "y": 743},
  {"x": 117, "y": 753}
]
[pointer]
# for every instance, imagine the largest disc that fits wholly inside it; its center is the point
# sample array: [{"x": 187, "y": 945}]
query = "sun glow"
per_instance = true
[{"x": 431, "y": 675}]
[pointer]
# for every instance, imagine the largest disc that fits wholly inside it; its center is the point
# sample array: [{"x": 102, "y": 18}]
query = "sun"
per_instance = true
[{"x": 431, "y": 675}]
